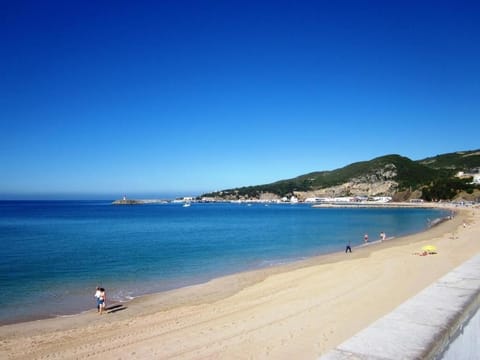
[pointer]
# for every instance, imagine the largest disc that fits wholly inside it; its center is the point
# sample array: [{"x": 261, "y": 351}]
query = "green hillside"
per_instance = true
[
  {"x": 458, "y": 161},
  {"x": 407, "y": 173}
]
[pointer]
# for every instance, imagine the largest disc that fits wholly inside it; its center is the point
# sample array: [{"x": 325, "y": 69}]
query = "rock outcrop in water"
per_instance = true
[{"x": 128, "y": 202}]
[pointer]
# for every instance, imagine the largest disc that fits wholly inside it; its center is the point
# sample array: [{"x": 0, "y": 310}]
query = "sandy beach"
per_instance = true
[{"x": 299, "y": 310}]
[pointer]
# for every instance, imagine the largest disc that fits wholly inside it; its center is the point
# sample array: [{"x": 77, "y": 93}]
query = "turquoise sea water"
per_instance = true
[{"x": 53, "y": 254}]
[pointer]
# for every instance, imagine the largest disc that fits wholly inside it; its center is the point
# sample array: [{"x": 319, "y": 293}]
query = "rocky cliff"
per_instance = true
[{"x": 389, "y": 175}]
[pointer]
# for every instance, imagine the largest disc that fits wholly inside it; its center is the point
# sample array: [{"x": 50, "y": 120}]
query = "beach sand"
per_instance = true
[{"x": 299, "y": 311}]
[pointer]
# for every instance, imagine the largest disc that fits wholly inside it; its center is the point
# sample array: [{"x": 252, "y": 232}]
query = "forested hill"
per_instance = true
[{"x": 385, "y": 175}]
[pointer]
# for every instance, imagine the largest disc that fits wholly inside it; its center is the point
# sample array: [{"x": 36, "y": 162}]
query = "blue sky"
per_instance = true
[{"x": 155, "y": 98}]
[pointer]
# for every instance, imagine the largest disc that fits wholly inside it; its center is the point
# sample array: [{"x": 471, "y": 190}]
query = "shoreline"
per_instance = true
[
  {"x": 84, "y": 304},
  {"x": 255, "y": 288},
  {"x": 249, "y": 276}
]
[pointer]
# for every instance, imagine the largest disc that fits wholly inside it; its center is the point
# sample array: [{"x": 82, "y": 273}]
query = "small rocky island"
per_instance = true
[
  {"x": 125, "y": 201},
  {"x": 128, "y": 202}
]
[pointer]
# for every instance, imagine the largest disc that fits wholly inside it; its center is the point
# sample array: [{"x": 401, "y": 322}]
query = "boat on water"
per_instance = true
[{"x": 187, "y": 204}]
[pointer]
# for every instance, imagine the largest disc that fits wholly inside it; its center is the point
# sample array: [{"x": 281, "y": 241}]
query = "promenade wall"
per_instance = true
[{"x": 424, "y": 326}]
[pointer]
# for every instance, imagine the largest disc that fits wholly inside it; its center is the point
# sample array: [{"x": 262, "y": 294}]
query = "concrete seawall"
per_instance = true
[{"x": 423, "y": 326}]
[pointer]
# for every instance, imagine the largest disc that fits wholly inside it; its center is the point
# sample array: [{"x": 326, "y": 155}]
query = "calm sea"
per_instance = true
[{"x": 53, "y": 254}]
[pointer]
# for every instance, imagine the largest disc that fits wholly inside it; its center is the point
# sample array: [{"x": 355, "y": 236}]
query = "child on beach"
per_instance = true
[{"x": 101, "y": 299}]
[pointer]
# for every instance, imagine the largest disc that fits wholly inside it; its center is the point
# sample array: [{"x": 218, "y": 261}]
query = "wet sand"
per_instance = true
[{"x": 299, "y": 310}]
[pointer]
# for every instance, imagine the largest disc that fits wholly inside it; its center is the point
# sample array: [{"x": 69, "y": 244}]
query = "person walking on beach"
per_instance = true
[
  {"x": 348, "y": 248},
  {"x": 382, "y": 236},
  {"x": 97, "y": 298},
  {"x": 101, "y": 299}
]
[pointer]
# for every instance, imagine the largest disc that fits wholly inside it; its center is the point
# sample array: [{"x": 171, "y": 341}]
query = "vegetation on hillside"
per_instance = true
[
  {"x": 447, "y": 188},
  {"x": 434, "y": 176},
  {"x": 458, "y": 161}
]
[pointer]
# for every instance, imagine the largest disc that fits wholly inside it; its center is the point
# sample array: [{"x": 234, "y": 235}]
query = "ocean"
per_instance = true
[{"x": 54, "y": 253}]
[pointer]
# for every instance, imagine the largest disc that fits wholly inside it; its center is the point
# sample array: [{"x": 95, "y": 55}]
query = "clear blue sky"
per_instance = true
[{"x": 102, "y": 98}]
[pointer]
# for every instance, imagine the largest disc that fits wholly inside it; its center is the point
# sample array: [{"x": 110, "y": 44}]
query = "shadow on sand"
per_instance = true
[{"x": 114, "y": 308}]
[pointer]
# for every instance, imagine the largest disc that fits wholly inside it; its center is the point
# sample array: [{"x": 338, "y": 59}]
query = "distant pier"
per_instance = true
[{"x": 128, "y": 202}]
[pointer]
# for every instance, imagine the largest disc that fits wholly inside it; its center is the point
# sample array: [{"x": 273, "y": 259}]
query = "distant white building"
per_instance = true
[
  {"x": 382, "y": 199},
  {"x": 475, "y": 176},
  {"x": 314, "y": 200},
  {"x": 184, "y": 199}
]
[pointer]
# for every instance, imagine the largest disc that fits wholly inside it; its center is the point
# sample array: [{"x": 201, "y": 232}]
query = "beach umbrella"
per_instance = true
[{"x": 429, "y": 248}]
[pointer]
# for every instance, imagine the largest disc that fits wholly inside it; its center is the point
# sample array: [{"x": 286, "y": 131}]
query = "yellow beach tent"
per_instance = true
[{"x": 429, "y": 249}]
